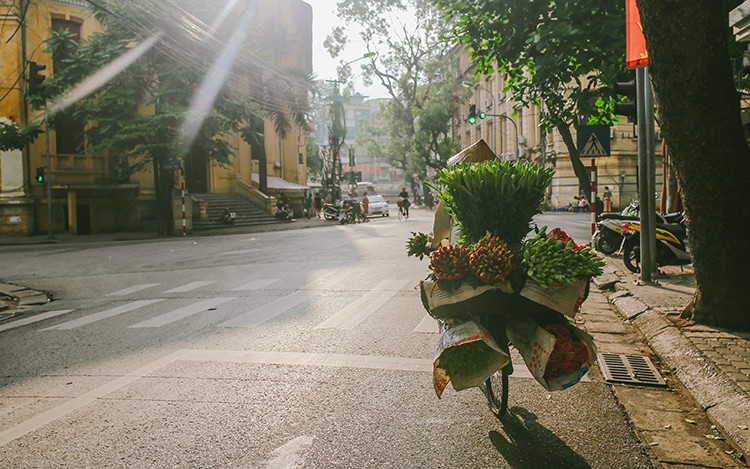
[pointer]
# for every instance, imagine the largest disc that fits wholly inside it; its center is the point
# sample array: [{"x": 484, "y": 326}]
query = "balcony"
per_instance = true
[{"x": 78, "y": 170}]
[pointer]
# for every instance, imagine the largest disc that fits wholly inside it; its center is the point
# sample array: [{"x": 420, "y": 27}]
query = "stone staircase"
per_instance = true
[{"x": 248, "y": 214}]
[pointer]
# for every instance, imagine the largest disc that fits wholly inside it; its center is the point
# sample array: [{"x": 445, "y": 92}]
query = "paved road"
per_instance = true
[{"x": 305, "y": 348}]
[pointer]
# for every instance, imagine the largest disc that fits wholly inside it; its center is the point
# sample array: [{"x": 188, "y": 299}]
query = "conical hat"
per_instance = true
[{"x": 478, "y": 151}]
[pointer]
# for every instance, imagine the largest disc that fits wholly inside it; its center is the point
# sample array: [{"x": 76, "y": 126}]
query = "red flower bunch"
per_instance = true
[
  {"x": 568, "y": 354},
  {"x": 564, "y": 237}
]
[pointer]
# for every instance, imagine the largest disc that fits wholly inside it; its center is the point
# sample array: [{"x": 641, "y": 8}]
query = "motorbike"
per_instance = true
[
  {"x": 284, "y": 212},
  {"x": 672, "y": 246},
  {"x": 330, "y": 212},
  {"x": 610, "y": 233}
]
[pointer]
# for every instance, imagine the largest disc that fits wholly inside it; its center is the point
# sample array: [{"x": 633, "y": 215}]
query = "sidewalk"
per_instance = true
[{"x": 712, "y": 363}]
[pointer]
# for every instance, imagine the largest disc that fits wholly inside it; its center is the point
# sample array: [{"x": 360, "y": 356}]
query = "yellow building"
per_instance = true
[
  {"x": 89, "y": 194},
  {"x": 513, "y": 131}
]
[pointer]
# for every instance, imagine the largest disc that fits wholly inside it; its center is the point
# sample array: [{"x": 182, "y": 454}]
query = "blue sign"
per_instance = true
[{"x": 593, "y": 140}]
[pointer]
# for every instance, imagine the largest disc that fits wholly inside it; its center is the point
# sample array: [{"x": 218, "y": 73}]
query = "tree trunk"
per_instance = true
[
  {"x": 700, "y": 116},
  {"x": 584, "y": 182}
]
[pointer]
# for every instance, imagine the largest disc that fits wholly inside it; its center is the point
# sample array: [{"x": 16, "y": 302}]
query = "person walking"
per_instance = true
[
  {"x": 318, "y": 203},
  {"x": 309, "y": 205},
  {"x": 365, "y": 204},
  {"x": 607, "y": 199}
]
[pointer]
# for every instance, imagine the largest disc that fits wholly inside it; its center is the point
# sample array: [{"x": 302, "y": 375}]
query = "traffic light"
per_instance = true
[
  {"x": 482, "y": 114},
  {"x": 40, "y": 175},
  {"x": 628, "y": 108},
  {"x": 472, "y": 119},
  {"x": 351, "y": 157},
  {"x": 35, "y": 78}
]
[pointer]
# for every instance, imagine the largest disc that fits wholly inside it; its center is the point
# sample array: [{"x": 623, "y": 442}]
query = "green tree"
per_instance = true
[
  {"x": 416, "y": 69},
  {"x": 13, "y": 137},
  {"x": 556, "y": 54},
  {"x": 700, "y": 118},
  {"x": 138, "y": 115}
]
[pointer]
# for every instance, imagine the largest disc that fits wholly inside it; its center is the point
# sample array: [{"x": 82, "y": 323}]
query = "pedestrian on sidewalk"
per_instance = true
[
  {"x": 318, "y": 203},
  {"x": 309, "y": 205},
  {"x": 607, "y": 199}
]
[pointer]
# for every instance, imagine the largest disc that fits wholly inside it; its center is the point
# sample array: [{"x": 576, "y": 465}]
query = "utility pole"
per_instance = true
[{"x": 336, "y": 136}]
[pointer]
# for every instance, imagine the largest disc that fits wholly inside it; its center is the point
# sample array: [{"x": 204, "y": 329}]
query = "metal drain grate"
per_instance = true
[{"x": 630, "y": 369}]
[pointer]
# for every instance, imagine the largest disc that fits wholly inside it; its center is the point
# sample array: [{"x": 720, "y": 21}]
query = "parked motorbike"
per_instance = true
[
  {"x": 610, "y": 233},
  {"x": 671, "y": 244},
  {"x": 330, "y": 212}
]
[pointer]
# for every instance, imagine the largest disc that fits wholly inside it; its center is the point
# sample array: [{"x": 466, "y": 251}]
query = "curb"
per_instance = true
[{"x": 726, "y": 405}]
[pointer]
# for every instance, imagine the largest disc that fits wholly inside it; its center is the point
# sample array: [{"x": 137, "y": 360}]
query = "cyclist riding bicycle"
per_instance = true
[{"x": 403, "y": 202}]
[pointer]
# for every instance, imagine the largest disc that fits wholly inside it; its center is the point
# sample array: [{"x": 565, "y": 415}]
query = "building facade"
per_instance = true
[
  {"x": 88, "y": 192},
  {"x": 513, "y": 132}
]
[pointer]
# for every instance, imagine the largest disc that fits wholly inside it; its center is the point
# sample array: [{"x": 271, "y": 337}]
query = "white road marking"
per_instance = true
[
  {"x": 256, "y": 284},
  {"x": 360, "y": 309},
  {"x": 91, "y": 318},
  {"x": 182, "y": 313},
  {"x": 427, "y": 325},
  {"x": 229, "y": 356},
  {"x": 133, "y": 289},
  {"x": 190, "y": 286},
  {"x": 287, "y": 456},
  {"x": 375, "y": 362},
  {"x": 267, "y": 311},
  {"x": 33, "y": 319},
  {"x": 55, "y": 413},
  {"x": 239, "y": 252}
]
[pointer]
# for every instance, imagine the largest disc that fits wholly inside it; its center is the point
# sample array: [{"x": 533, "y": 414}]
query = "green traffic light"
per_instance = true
[
  {"x": 482, "y": 114},
  {"x": 472, "y": 120}
]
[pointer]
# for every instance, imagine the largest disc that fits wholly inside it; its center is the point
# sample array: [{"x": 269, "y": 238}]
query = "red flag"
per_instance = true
[{"x": 636, "y": 55}]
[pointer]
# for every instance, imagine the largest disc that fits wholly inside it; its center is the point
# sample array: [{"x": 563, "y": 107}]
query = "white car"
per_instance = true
[{"x": 378, "y": 206}]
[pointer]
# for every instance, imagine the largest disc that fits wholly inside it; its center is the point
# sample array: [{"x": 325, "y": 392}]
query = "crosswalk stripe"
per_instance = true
[
  {"x": 359, "y": 310},
  {"x": 182, "y": 313},
  {"x": 427, "y": 325},
  {"x": 133, "y": 289},
  {"x": 190, "y": 286},
  {"x": 91, "y": 318},
  {"x": 267, "y": 311},
  {"x": 256, "y": 284},
  {"x": 33, "y": 319}
]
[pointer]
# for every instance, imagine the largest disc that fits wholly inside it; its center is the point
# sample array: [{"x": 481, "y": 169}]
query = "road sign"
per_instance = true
[{"x": 593, "y": 140}]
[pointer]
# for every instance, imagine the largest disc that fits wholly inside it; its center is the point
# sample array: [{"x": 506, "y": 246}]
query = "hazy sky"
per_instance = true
[{"x": 324, "y": 19}]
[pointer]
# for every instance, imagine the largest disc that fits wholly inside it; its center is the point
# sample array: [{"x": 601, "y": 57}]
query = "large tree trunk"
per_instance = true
[
  {"x": 584, "y": 181},
  {"x": 700, "y": 118}
]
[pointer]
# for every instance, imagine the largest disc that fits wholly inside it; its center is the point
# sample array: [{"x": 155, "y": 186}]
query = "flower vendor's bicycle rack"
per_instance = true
[{"x": 493, "y": 308}]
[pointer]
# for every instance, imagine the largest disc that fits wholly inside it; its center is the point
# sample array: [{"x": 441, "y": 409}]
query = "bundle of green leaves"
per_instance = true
[{"x": 499, "y": 197}]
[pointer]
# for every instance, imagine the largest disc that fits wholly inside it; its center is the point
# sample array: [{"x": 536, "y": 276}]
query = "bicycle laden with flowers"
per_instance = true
[{"x": 490, "y": 286}]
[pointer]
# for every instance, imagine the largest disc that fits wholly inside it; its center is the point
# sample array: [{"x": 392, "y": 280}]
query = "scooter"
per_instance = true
[
  {"x": 330, "y": 212},
  {"x": 610, "y": 234},
  {"x": 672, "y": 246}
]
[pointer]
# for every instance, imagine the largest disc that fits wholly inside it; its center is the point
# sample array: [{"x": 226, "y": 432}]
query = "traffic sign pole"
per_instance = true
[{"x": 593, "y": 196}]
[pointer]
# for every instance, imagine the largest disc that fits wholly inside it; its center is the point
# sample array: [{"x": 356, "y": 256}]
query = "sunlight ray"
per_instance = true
[
  {"x": 211, "y": 85},
  {"x": 104, "y": 75}
]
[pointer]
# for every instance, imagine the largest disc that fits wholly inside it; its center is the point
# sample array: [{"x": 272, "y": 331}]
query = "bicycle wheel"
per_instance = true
[
  {"x": 496, "y": 391},
  {"x": 400, "y": 213}
]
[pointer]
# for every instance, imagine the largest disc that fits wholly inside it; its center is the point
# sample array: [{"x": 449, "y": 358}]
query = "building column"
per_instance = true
[{"x": 72, "y": 212}]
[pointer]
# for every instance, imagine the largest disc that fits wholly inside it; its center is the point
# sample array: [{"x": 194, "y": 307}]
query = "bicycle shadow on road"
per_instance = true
[{"x": 527, "y": 444}]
